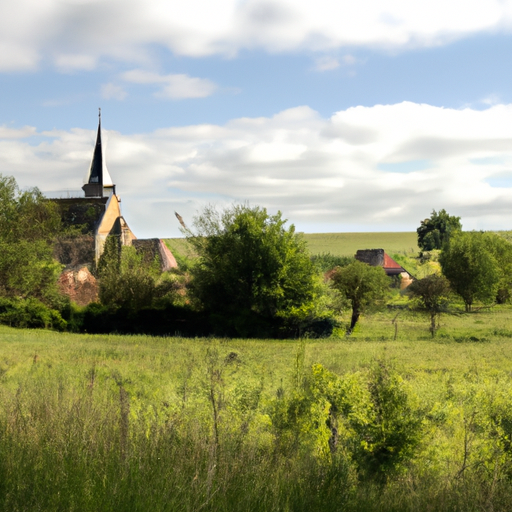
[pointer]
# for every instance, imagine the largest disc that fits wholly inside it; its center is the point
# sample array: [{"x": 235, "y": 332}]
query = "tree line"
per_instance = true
[{"x": 253, "y": 276}]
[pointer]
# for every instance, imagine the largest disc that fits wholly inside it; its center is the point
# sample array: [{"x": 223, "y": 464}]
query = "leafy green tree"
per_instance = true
[
  {"x": 28, "y": 226},
  {"x": 469, "y": 265},
  {"x": 436, "y": 230},
  {"x": 501, "y": 249},
  {"x": 432, "y": 294},
  {"x": 253, "y": 275},
  {"x": 362, "y": 285},
  {"x": 125, "y": 280}
]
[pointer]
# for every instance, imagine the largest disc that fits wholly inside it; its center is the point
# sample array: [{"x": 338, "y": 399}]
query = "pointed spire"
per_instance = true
[
  {"x": 98, "y": 176},
  {"x": 96, "y": 170}
]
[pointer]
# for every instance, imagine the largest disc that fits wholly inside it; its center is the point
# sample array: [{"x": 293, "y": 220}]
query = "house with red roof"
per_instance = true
[{"x": 378, "y": 258}]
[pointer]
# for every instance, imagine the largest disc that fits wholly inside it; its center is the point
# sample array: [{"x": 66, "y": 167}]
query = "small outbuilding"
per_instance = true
[{"x": 379, "y": 258}]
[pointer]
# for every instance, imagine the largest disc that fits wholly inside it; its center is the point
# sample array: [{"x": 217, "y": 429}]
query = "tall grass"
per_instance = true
[{"x": 139, "y": 423}]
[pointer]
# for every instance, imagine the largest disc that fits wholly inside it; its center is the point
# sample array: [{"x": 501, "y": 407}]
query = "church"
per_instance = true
[{"x": 98, "y": 214}]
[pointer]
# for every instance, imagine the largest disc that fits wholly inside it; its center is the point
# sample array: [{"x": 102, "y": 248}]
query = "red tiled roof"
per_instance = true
[{"x": 390, "y": 263}]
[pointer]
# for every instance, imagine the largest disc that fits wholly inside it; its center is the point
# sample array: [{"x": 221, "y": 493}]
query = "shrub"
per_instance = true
[
  {"x": 253, "y": 275},
  {"x": 30, "y": 313}
]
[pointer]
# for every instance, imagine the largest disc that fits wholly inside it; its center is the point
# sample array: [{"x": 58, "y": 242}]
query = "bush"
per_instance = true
[
  {"x": 172, "y": 320},
  {"x": 30, "y": 313},
  {"x": 327, "y": 261},
  {"x": 254, "y": 275},
  {"x": 126, "y": 281}
]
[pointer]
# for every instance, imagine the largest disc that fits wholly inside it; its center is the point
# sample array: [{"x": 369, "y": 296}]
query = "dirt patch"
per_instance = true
[{"x": 79, "y": 285}]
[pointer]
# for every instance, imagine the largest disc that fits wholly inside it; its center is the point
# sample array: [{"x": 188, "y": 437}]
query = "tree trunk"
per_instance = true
[
  {"x": 353, "y": 321},
  {"x": 433, "y": 324}
]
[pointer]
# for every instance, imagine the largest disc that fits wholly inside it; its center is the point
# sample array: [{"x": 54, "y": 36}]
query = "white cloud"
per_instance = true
[
  {"x": 173, "y": 86},
  {"x": 76, "y": 34},
  {"x": 365, "y": 168},
  {"x": 68, "y": 63},
  {"x": 113, "y": 91},
  {"x": 492, "y": 99},
  {"x": 349, "y": 60},
  {"x": 326, "y": 63},
  {"x": 14, "y": 133}
]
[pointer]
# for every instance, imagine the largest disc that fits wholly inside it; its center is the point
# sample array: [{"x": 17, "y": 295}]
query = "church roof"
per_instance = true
[{"x": 98, "y": 173}]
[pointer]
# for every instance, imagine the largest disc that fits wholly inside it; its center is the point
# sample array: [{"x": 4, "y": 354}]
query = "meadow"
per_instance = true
[
  {"x": 347, "y": 244},
  {"x": 337, "y": 244},
  {"x": 388, "y": 419}
]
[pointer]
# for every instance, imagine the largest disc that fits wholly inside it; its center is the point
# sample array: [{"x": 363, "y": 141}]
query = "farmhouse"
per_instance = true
[{"x": 378, "y": 258}]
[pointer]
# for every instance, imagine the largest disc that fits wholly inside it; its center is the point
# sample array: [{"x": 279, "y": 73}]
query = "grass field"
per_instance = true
[
  {"x": 346, "y": 244},
  {"x": 342, "y": 244},
  {"x": 170, "y": 424},
  {"x": 338, "y": 244}
]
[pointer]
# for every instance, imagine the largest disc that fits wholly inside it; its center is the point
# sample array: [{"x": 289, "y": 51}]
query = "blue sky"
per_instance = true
[{"x": 345, "y": 116}]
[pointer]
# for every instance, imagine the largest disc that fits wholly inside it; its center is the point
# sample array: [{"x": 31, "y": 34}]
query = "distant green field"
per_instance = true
[
  {"x": 180, "y": 247},
  {"x": 346, "y": 244},
  {"x": 341, "y": 244},
  {"x": 338, "y": 244}
]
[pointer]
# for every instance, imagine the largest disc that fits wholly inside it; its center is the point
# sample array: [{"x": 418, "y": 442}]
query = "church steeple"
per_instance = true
[{"x": 98, "y": 181}]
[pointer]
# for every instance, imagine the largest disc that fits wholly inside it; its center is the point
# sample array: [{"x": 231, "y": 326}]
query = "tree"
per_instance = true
[
  {"x": 501, "y": 249},
  {"x": 125, "y": 280},
  {"x": 471, "y": 268},
  {"x": 436, "y": 230},
  {"x": 254, "y": 275},
  {"x": 362, "y": 285},
  {"x": 431, "y": 292},
  {"x": 28, "y": 226}
]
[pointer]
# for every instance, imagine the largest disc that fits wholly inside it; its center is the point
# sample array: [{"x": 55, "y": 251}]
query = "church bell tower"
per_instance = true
[{"x": 98, "y": 182}]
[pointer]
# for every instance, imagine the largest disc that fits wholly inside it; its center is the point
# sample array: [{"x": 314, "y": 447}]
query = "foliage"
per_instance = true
[
  {"x": 436, "y": 230},
  {"x": 28, "y": 227},
  {"x": 327, "y": 261},
  {"x": 109, "y": 263},
  {"x": 501, "y": 249},
  {"x": 164, "y": 320},
  {"x": 471, "y": 267},
  {"x": 362, "y": 285},
  {"x": 140, "y": 423},
  {"x": 393, "y": 425},
  {"x": 26, "y": 215},
  {"x": 30, "y": 313},
  {"x": 125, "y": 280},
  {"x": 171, "y": 288},
  {"x": 431, "y": 293},
  {"x": 253, "y": 275}
]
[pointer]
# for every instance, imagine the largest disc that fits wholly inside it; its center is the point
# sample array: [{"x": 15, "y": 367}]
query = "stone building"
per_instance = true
[
  {"x": 379, "y": 258},
  {"x": 99, "y": 215}
]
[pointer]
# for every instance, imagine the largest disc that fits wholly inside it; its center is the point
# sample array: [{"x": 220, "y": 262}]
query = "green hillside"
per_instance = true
[
  {"x": 346, "y": 244},
  {"x": 339, "y": 244}
]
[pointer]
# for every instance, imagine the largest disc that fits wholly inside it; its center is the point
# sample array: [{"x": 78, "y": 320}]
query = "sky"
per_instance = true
[{"x": 345, "y": 116}]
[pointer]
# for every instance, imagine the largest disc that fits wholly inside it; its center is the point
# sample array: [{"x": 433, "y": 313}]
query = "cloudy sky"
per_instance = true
[{"x": 346, "y": 116}]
